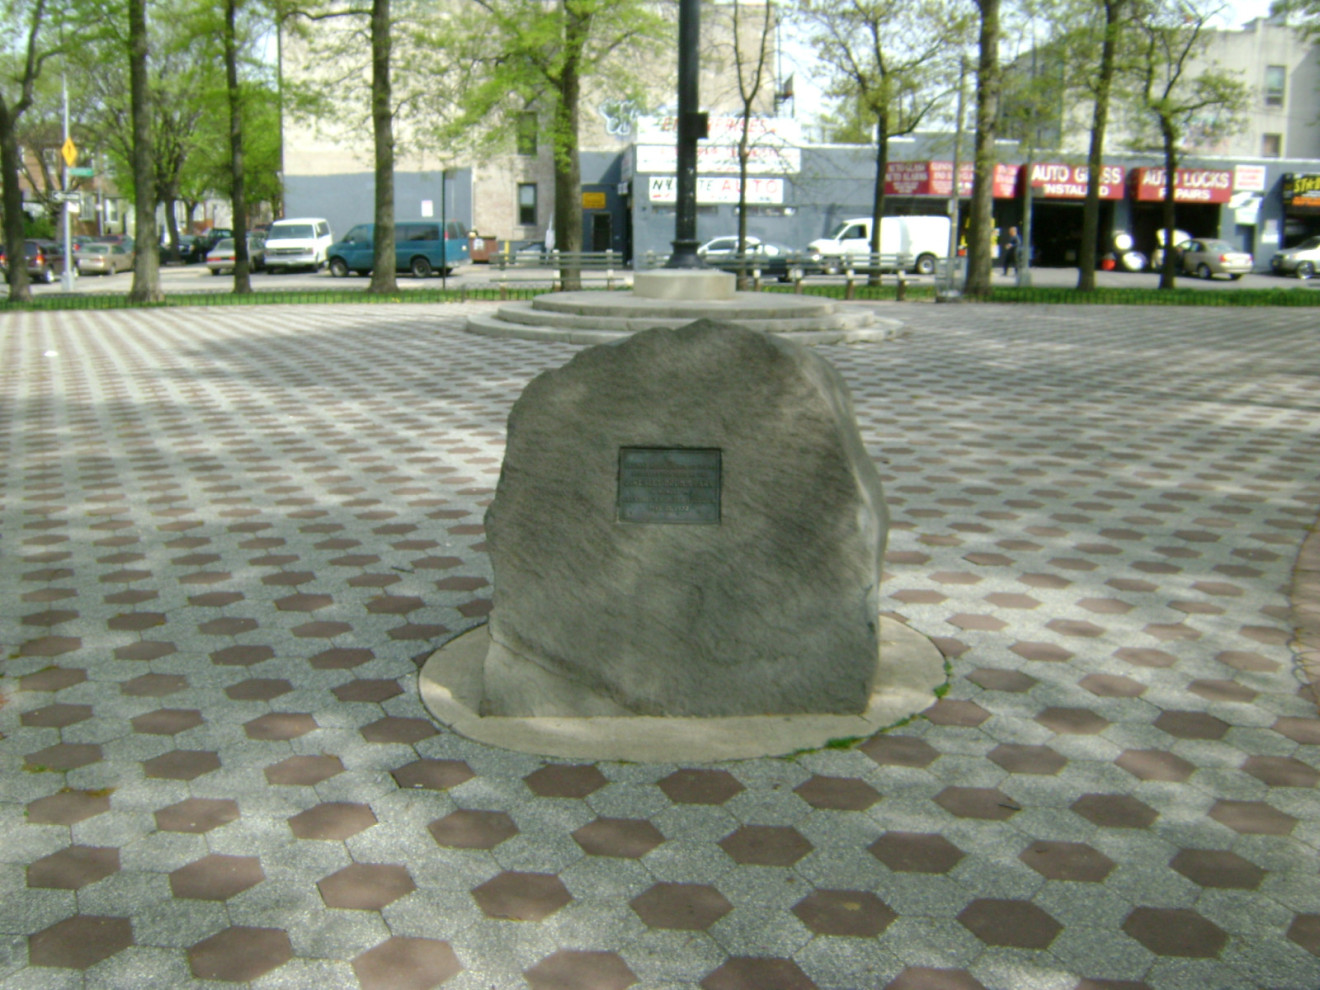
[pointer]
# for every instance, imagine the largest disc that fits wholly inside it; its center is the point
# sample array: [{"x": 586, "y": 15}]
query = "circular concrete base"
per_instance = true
[
  {"x": 910, "y": 669},
  {"x": 684, "y": 284}
]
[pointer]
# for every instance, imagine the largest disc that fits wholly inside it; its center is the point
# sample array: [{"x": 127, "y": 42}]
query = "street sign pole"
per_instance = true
[{"x": 66, "y": 279}]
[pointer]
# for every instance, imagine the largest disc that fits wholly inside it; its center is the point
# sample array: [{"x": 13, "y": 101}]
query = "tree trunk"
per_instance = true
[
  {"x": 1086, "y": 258},
  {"x": 981, "y": 220},
  {"x": 878, "y": 192},
  {"x": 1168, "y": 214},
  {"x": 146, "y": 261},
  {"x": 19, "y": 286},
  {"x": 744, "y": 152},
  {"x": 568, "y": 164},
  {"x": 383, "y": 277},
  {"x": 238, "y": 198}
]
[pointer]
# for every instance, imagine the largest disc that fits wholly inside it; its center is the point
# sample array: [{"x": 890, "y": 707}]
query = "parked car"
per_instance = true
[
  {"x": 418, "y": 248},
  {"x": 221, "y": 257},
  {"x": 104, "y": 259},
  {"x": 1300, "y": 259},
  {"x": 771, "y": 260},
  {"x": 44, "y": 259},
  {"x": 1208, "y": 257},
  {"x": 298, "y": 243},
  {"x": 192, "y": 249}
]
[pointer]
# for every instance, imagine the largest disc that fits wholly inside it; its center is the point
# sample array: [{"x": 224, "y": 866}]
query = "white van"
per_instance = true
[
  {"x": 300, "y": 242},
  {"x": 922, "y": 240}
]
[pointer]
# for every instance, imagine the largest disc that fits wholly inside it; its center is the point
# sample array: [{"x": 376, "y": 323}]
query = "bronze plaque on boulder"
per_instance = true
[{"x": 669, "y": 485}]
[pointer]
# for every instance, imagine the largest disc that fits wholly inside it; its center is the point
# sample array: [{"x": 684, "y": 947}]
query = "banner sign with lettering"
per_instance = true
[
  {"x": 717, "y": 189},
  {"x": 1191, "y": 185},
  {"x": 1050, "y": 180},
  {"x": 1301, "y": 193},
  {"x": 936, "y": 179},
  {"x": 721, "y": 159}
]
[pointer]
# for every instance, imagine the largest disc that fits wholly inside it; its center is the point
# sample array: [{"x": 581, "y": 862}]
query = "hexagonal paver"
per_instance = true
[
  {"x": 56, "y": 716},
  {"x": 216, "y": 877},
  {"x": 167, "y": 721},
  {"x": 1072, "y": 721},
  {"x": 465, "y": 829},
  {"x": 916, "y": 852},
  {"x": 258, "y": 689},
  {"x": 1112, "y": 686},
  {"x": 332, "y": 821},
  {"x": 844, "y": 912},
  {"x": 1252, "y": 817},
  {"x": 1191, "y": 725},
  {"x": 766, "y": 845},
  {"x": 280, "y": 726},
  {"x": 435, "y": 775},
  {"x": 1018, "y": 758},
  {"x": 1217, "y": 868},
  {"x": 1115, "y": 811},
  {"x": 1281, "y": 771},
  {"x": 627, "y": 838},
  {"x": 1305, "y": 931},
  {"x": 1074, "y": 861},
  {"x": 900, "y": 751},
  {"x": 63, "y": 756},
  {"x": 68, "y": 807},
  {"x": 570, "y": 969},
  {"x": 756, "y": 973},
  {"x": 1175, "y": 932},
  {"x": 1042, "y": 652},
  {"x": 239, "y": 954},
  {"x": 681, "y": 906},
  {"x": 929, "y": 978},
  {"x": 80, "y": 942},
  {"x": 402, "y": 963},
  {"x": 154, "y": 685},
  {"x": 996, "y": 679},
  {"x": 1155, "y": 764},
  {"x": 700, "y": 786},
  {"x": 366, "y": 886},
  {"x": 304, "y": 771},
  {"x": 52, "y": 679},
  {"x": 521, "y": 896},
  {"x": 1300, "y": 730},
  {"x": 197, "y": 815},
  {"x": 182, "y": 764},
  {"x": 372, "y": 691},
  {"x": 73, "y": 867},
  {"x": 564, "y": 780},
  {"x": 341, "y": 658},
  {"x": 395, "y": 729},
  {"x": 949, "y": 711},
  {"x": 977, "y": 802},
  {"x": 837, "y": 793},
  {"x": 1000, "y": 921}
]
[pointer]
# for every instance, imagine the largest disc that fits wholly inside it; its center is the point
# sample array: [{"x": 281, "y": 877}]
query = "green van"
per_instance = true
[{"x": 418, "y": 248}]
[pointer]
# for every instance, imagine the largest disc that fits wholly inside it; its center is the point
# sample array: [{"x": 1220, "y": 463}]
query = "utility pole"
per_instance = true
[
  {"x": 66, "y": 278},
  {"x": 692, "y": 126}
]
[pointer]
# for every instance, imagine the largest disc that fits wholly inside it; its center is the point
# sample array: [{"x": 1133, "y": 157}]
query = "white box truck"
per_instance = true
[{"x": 921, "y": 240}]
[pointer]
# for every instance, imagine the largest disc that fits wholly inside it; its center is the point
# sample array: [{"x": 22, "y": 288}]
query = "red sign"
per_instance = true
[
  {"x": 1053, "y": 181},
  {"x": 1191, "y": 185},
  {"x": 936, "y": 179}
]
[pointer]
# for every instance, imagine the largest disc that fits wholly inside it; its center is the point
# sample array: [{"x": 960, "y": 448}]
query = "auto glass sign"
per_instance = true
[
  {"x": 1301, "y": 193},
  {"x": 1051, "y": 180},
  {"x": 1190, "y": 185}
]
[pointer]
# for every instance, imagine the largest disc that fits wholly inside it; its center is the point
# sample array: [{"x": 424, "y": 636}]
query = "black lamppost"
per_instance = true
[{"x": 692, "y": 126}]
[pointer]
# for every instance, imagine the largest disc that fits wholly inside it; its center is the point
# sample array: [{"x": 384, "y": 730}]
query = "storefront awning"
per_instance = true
[
  {"x": 936, "y": 179},
  {"x": 1191, "y": 185},
  {"x": 1052, "y": 180}
]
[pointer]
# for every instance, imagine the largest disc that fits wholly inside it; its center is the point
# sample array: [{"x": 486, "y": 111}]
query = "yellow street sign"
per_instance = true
[{"x": 70, "y": 152}]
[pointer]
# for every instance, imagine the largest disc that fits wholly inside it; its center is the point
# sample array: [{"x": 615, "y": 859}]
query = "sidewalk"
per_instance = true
[{"x": 228, "y": 537}]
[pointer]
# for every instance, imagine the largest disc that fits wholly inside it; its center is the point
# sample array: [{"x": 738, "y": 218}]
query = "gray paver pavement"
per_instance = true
[{"x": 228, "y": 536}]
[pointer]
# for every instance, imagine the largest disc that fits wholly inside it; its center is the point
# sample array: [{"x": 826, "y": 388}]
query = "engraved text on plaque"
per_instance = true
[{"x": 669, "y": 485}]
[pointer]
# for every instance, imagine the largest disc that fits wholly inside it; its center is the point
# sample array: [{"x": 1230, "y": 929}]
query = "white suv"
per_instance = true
[{"x": 300, "y": 242}]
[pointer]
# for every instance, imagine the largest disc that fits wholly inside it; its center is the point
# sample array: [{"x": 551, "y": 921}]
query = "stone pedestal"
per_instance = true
[
  {"x": 686, "y": 524},
  {"x": 685, "y": 284}
]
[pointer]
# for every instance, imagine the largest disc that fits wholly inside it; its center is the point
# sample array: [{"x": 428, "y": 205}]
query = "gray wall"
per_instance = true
[{"x": 349, "y": 198}]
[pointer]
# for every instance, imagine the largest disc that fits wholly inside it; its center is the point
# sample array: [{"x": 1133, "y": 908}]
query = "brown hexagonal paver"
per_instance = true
[
  {"x": 167, "y": 721},
  {"x": 197, "y": 815},
  {"x": 1175, "y": 932},
  {"x": 929, "y": 978},
  {"x": 402, "y": 963},
  {"x": 1019, "y": 758},
  {"x": 1112, "y": 686},
  {"x": 68, "y": 807},
  {"x": 950, "y": 711},
  {"x": 1300, "y": 730},
  {"x": 52, "y": 679},
  {"x": 1252, "y": 817},
  {"x": 73, "y": 867},
  {"x": 396, "y": 729},
  {"x": 626, "y": 838},
  {"x": 837, "y": 793},
  {"x": 1191, "y": 725},
  {"x": 182, "y": 764},
  {"x": 755, "y": 973},
  {"x": 50, "y": 646},
  {"x": 63, "y": 756},
  {"x": 216, "y": 877},
  {"x": 566, "y": 780},
  {"x": 521, "y": 896},
  {"x": 977, "y": 802},
  {"x": 1155, "y": 764},
  {"x": 916, "y": 852},
  {"x": 1072, "y": 721},
  {"x": 681, "y": 906},
  {"x": 154, "y": 685},
  {"x": 466, "y": 829},
  {"x": 1217, "y": 689},
  {"x": 996, "y": 679},
  {"x": 766, "y": 845},
  {"x": 373, "y": 691},
  {"x": 304, "y": 771},
  {"x": 79, "y": 942},
  {"x": 332, "y": 821},
  {"x": 56, "y": 716},
  {"x": 258, "y": 689},
  {"x": 366, "y": 886},
  {"x": 854, "y": 913},
  {"x": 1074, "y": 861},
  {"x": 1002, "y": 921},
  {"x": 435, "y": 775},
  {"x": 276, "y": 726},
  {"x": 1305, "y": 931},
  {"x": 693, "y": 786},
  {"x": 573, "y": 969},
  {"x": 1115, "y": 811},
  {"x": 1042, "y": 652},
  {"x": 1217, "y": 868},
  {"x": 239, "y": 954},
  {"x": 341, "y": 658},
  {"x": 1281, "y": 771},
  {"x": 901, "y": 751}
]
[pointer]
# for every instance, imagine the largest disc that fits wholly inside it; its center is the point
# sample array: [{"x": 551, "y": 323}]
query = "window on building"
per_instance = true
[
  {"x": 527, "y": 204},
  {"x": 1271, "y": 146},
  {"x": 1275, "y": 75},
  {"x": 527, "y": 132}
]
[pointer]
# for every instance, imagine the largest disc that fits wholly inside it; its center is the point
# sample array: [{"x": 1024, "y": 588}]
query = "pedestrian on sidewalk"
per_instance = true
[{"x": 1011, "y": 247}]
